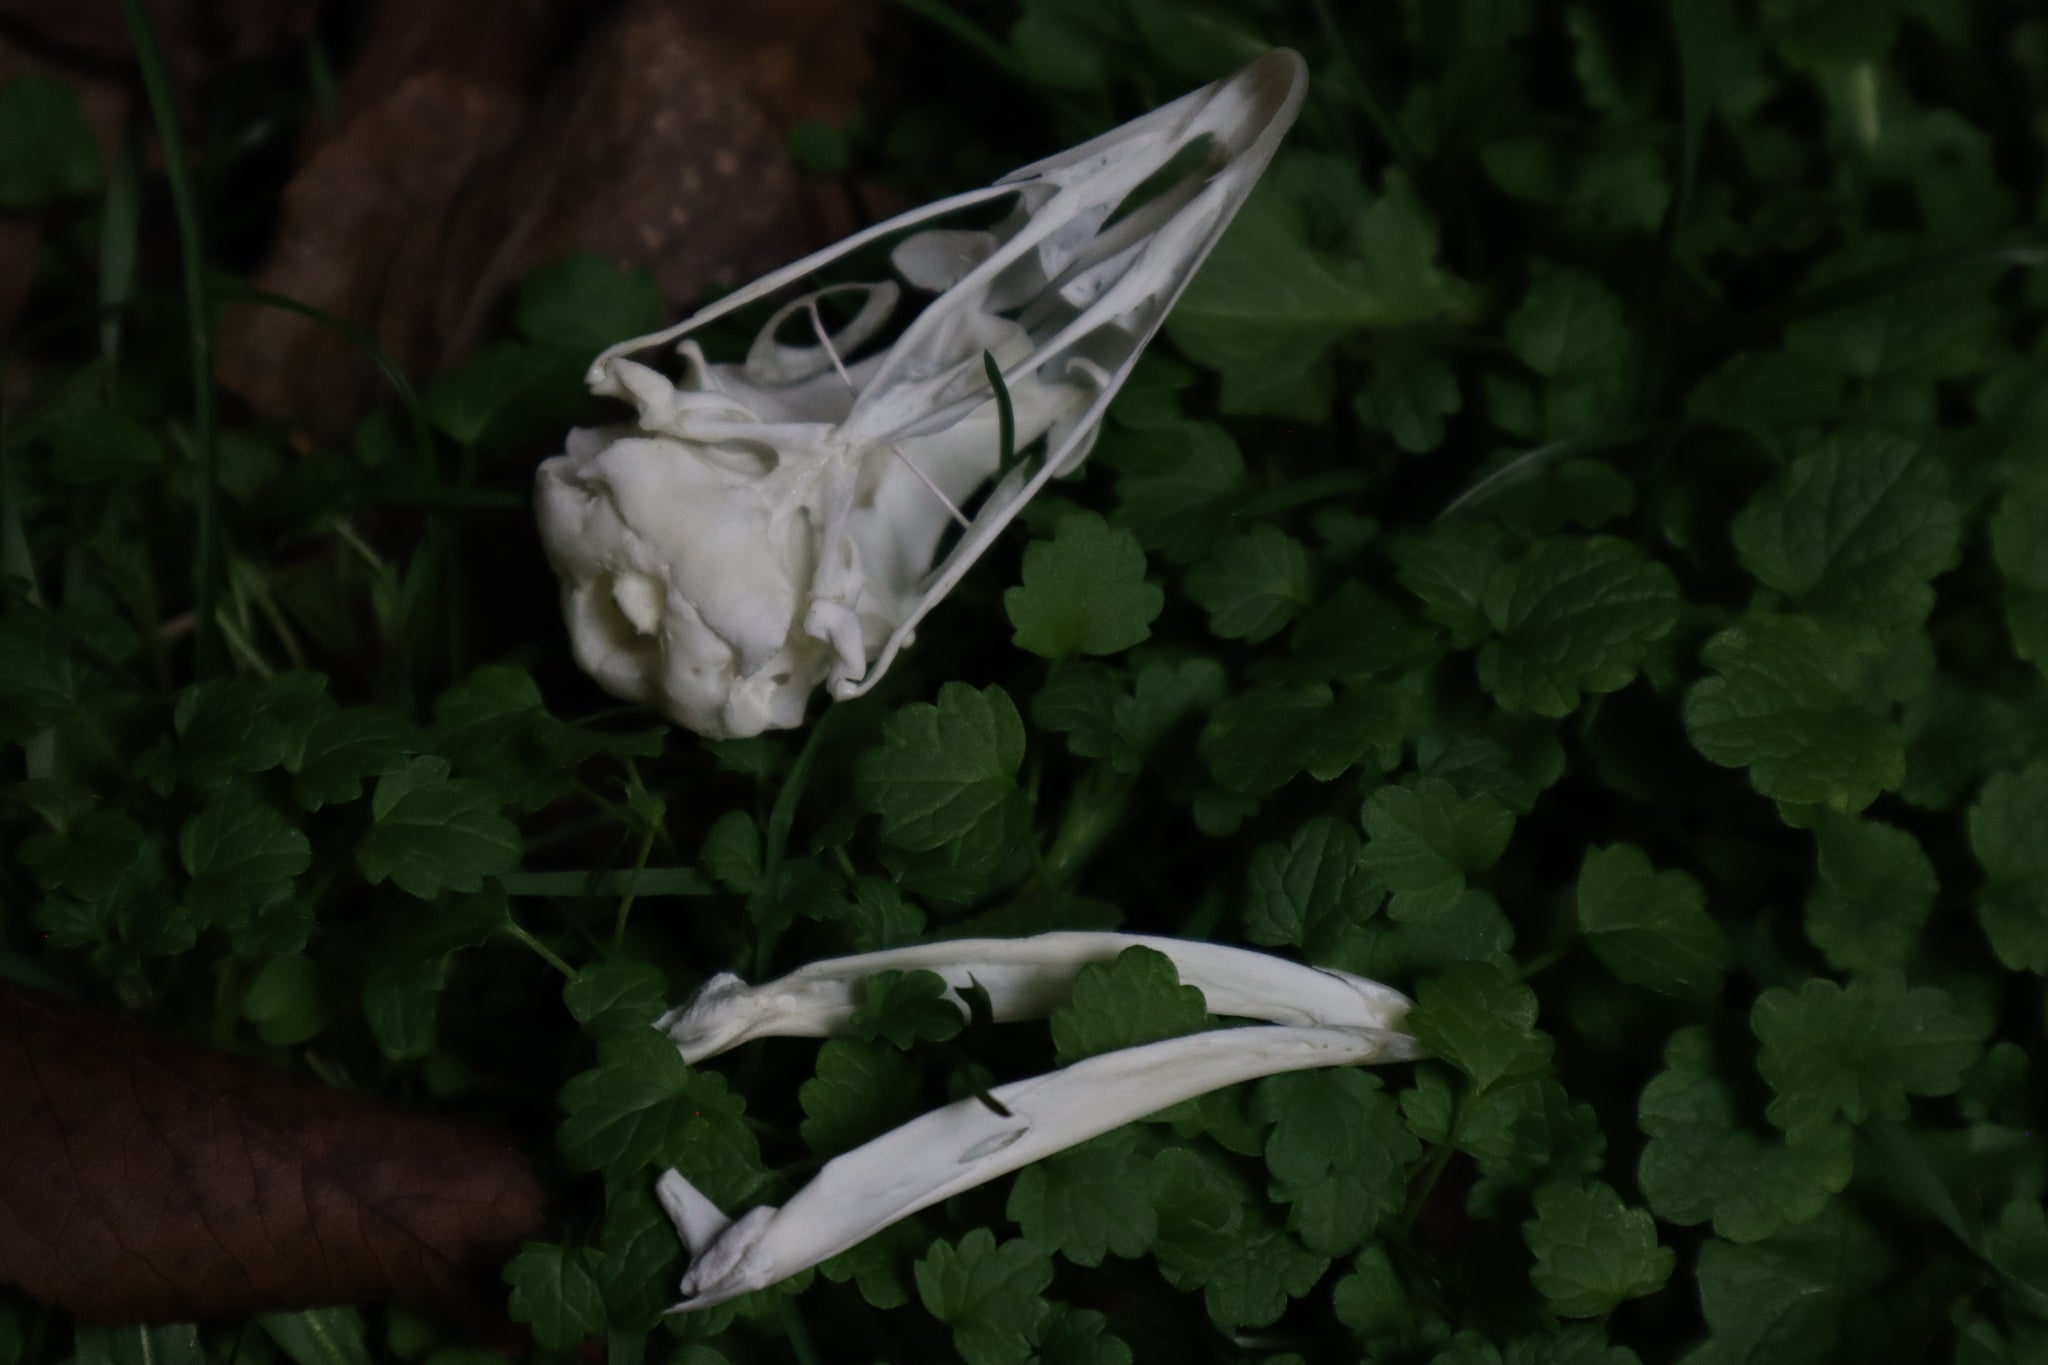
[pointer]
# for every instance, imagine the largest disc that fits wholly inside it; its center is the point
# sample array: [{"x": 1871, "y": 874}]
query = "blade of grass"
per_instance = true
[
  {"x": 651, "y": 881},
  {"x": 1693, "y": 42},
  {"x": 1006, "y": 416},
  {"x": 1532, "y": 461},
  {"x": 360, "y": 338},
  {"x": 320, "y": 79},
  {"x": 120, "y": 230},
  {"x": 156, "y": 87},
  {"x": 1382, "y": 118},
  {"x": 970, "y": 34},
  {"x": 781, "y": 817},
  {"x": 2027, "y": 252}
]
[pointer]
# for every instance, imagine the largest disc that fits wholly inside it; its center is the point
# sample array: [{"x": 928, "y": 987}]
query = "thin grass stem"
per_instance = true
[{"x": 156, "y": 86}]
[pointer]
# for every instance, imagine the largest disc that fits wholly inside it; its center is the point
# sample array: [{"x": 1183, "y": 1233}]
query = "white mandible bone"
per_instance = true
[
  {"x": 761, "y": 528},
  {"x": 1321, "y": 1018},
  {"x": 1026, "y": 978}
]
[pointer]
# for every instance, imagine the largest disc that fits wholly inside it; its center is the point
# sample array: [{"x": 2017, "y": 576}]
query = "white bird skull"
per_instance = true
[{"x": 763, "y": 527}]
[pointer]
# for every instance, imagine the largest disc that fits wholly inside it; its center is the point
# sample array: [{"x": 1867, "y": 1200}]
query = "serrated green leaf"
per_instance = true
[
  {"x": 1090, "y": 1201},
  {"x": 1176, "y": 484},
  {"x": 1859, "y": 1051},
  {"x": 1854, "y": 530},
  {"x": 1783, "y": 705},
  {"x": 990, "y": 1295},
  {"x": 1516, "y": 1130},
  {"x": 1372, "y": 1302},
  {"x": 618, "y": 993},
  {"x": 732, "y": 852},
  {"x": 861, "y": 1090},
  {"x": 1876, "y": 889},
  {"x": 1576, "y": 614},
  {"x": 642, "y": 1107},
  {"x": 1427, "y": 838},
  {"x": 881, "y": 917},
  {"x": 493, "y": 725},
  {"x": 946, "y": 774},
  {"x": 904, "y": 1008},
  {"x": 1449, "y": 570},
  {"x": 640, "y": 1258},
  {"x": 1265, "y": 306},
  {"x": 1482, "y": 1020},
  {"x": 1700, "y": 1163},
  {"x": 1798, "y": 1296},
  {"x": 880, "y": 1266},
  {"x": 1479, "y": 765},
  {"x": 93, "y": 446},
  {"x": 1351, "y": 634},
  {"x": 1338, "y": 1153},
  {"x": 1247, "y": 1270},
  {"x": 235, "y": 726},
  {"x": 1079, "y": 700},
  {"x": 1163, "y": 695},
  {"x": 1252, "y": 584},
  {"x": 1078, "y": 1336},
  {"x": 1650, "y": 928},
  {"x": 555, "y": 1290},
  {"x": 1259, "y": 741},
  {"x": 433, "y": 833},
  {"x": 1473, "y": 929},
  {"x": 1135, "y": 999},
  {"x": 1592, "y": 1252},
  {"x": 104, "y": 879},
  {"x": 1084, "y": 592},
  {"x": 1408, "y": 395},
  {"x": 347, "y": 745},
  {"x": 1311, "y": 892},
  {"x": 1568, "y": 323},
  {"x": 2009, "y": 835},
  {"x": 242, "y": 856},
  {"x": 2019, "y": 542},
  {"x": 400, "y": 1002}
]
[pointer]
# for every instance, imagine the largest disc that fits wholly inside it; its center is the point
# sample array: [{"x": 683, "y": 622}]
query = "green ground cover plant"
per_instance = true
[{"x": 1580, "y": 556}]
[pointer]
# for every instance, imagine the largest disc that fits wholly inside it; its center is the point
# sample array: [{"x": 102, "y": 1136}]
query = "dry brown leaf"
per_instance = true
[
  {"x": 659, "y": 144},
  {"x": 353, "y": 217},
  {"x": 145, "y": 1179}
]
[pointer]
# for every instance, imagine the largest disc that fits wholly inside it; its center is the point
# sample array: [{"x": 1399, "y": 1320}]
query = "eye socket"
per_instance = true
[
  {"x": 772, "y": 361},
  {"x": 748, "y": 459}
]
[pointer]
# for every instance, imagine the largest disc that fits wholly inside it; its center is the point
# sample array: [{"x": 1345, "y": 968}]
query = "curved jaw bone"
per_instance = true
[
  {"x": 761, "y": 528},
  {"x": 1321, "y": 1018}
]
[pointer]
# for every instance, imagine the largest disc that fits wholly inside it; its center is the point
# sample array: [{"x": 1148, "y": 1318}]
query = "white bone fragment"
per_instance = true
[
  {"x": 1026, "y": 978},
  {"x": 966, "y": 1144},
  {"x": 760, "y": 528}
]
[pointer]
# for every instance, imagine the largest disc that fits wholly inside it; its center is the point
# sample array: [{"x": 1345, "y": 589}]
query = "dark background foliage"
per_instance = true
[{"x": 1596, "y": 498}]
